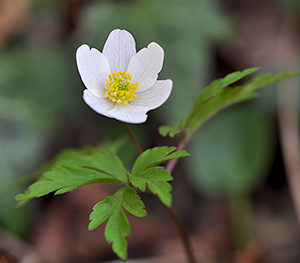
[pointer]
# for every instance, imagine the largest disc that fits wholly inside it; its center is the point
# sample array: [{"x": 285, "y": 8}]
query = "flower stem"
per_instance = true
[
  {"x": 133, "y": 138},
  {"x": 182, "y": 233}
]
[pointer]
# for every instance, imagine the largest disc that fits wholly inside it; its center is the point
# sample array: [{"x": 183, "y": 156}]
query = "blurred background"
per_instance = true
[{"x": 232, "y": 195}]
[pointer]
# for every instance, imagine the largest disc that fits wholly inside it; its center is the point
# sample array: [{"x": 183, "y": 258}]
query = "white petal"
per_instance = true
[
  {"x": 93, "y": 68},
  {"x": 129, "y": 113},
  {"x": 99, "y": 105},
  {"x": 145, "y": 66},
  {"x": 118, "y": 49},
  {"x": 155, "y": 96}
]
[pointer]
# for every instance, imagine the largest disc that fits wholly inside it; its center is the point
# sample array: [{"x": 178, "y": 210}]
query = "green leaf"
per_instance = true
[
  {"x": 231, "y": 96},
  {"x": 75, "y": 168},
  {"x": 266, "y": 79},
  {"x": 216, "y": 87},
  {"x": 117, "y": 227},
  {"x": 93, "y": 158},
  {"x": 144, "y": 172},
  {"x": 155, "y": 156},
  {"x": 156, "y": 178},
  {"x": 222, "y": 100},
  {"x": 171, "y": 129},
  {"x": 132, "y": 203},
  {"x": 65, "y": 179}
]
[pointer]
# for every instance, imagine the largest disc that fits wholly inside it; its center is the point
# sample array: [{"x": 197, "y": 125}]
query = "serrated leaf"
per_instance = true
[
  {"x": 74, "y": 168},
  {"x": 216, "y": 87},
  {"x": 132, "y": 203},
  {"x": 156, "y": 178},
  {"x": 155, "y": 156},
  {"x": 234, "y": 95},
  {"x": 64, "y": 179},
  {"x": 144, "y": 172},
  {"x": 94, "y": 158},
  {"x": 117, "y": 227},
  {"x": 104, "y": 209}
]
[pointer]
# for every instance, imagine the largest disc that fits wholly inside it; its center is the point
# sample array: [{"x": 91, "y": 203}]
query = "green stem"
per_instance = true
[{"x": 182, "y": 233}]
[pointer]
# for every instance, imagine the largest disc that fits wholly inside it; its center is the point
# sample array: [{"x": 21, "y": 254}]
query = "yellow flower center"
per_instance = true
[{"x": 119, "y": 89}]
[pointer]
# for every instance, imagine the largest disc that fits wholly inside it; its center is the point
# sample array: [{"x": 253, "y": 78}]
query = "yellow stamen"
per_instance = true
[{"x": 119, "y": 89}]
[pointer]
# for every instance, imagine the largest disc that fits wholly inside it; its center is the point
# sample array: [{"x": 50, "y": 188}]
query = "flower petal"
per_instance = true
[
  {"x": 129, "y": 113},
  {"x": 145, "y": 66},
  {"x": 118, "y": 49},
  {"x": 155, "y": 96},
  {"x": 99, "y": 105},
  {"x": 93, "y": 68}
]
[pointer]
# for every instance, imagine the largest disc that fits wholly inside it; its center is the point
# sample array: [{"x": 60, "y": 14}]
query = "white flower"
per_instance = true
[{"x": 121, "y": 83}]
